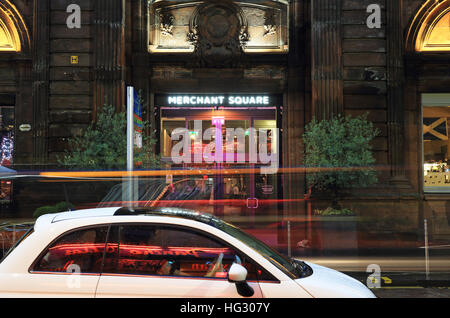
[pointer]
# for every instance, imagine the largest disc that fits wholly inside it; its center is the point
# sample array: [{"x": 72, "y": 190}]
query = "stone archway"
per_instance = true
[
  {"x": 9, "y": 40},
  {"x": 16, "y": 88},
  {"x": 14, "y": 35},
  {"x": 430, "y": 28}
]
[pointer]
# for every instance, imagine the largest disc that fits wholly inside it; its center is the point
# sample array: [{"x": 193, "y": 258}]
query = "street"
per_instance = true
[
  {"x": 401, "y": 277},
  {"x": 411, "y": 264},
  {"x": 412, "y": 292}
]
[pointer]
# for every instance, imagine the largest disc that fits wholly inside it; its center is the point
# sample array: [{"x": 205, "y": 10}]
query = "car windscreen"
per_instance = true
[
  {"x": 17, "y": 243},
  {"x": 282, "y": 262}
]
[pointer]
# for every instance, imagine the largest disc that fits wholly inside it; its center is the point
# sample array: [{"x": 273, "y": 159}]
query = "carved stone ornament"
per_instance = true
[
  {"x": 219, "y": 31},
  {"x": 270, "y": 25},
  {"x": 166, "y": 23}
]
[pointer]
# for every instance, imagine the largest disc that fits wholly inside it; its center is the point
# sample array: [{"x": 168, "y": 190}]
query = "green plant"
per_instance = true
[
  {"x": 64, "y": 206},
  {"x": 50, "y": 209},
  {"x": 47, "y": 209},
  {"x": 103, "y": 145},
  {"x": 340, "y": 154}
]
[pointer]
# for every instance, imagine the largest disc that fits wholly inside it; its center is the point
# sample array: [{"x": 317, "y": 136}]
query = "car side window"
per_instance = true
[
  {"x": 81, "y": 250},
  {"x": 170, "y": 251}
]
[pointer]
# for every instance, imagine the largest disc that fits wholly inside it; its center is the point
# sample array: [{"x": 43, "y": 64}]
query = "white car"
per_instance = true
[{"x": 164, "y": 252}]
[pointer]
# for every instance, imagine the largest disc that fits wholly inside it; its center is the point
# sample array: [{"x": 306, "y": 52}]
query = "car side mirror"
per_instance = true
[{"x": 238, "y": 275}]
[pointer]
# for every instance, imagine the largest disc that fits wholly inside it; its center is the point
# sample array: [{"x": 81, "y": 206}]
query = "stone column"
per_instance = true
[
  {"x": 40, "y": 75},
  {"x": 293, "y": 115},
  {"x": 395, "y": 85},
  {"x": 24, "y": 152},
  {"x": 327, "y": 84},
  {"x": 109, "y": 56},
  {"x": 140, "y": 63}
]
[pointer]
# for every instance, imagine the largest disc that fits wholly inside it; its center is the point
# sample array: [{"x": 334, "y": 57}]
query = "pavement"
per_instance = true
[
  {"x": 411, "y": 292},
  {"x": 399, "y": 276}
]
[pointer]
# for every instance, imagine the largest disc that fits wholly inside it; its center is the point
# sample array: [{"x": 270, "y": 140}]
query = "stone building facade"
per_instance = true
[{"x": 315, "y": 57}]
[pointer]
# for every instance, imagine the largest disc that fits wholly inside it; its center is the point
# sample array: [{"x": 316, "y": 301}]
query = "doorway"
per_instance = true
[{"x": 236, "y": 188}]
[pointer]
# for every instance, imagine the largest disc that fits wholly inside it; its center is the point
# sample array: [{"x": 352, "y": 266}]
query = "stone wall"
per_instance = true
[{"x": 71, "y": 83}]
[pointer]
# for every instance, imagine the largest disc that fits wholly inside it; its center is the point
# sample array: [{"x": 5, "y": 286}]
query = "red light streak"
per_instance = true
[{"x": 127, "y": 250}]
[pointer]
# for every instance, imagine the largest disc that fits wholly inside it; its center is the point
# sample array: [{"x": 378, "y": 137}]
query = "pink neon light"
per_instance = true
[{"x": 218, "y": 121}]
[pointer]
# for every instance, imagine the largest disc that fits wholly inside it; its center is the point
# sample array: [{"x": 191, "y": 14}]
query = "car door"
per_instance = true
[
  {"x": 68, "y": 267},
  {"x": 166, "y": 261}
]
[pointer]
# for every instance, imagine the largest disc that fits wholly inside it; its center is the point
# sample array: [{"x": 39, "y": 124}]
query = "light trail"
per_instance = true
[
  {"x": 387, "y": 264},
  {"x": 194, "y": 172}
]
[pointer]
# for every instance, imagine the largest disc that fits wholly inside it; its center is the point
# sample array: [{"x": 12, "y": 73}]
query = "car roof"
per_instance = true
[
  {"x": 124, "y": 211},
  {"x": 81, "y": 214}
]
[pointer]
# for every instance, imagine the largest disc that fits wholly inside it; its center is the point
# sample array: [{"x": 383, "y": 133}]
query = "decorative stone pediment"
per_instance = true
[
  {"x": 166, "y": 23},
  {"x": 188, "y": 26},
  {"x": 218, "y": 31}
]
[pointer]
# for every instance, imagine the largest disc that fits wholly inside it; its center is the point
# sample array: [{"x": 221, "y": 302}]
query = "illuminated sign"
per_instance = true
[{"x": 217, "y": 100}]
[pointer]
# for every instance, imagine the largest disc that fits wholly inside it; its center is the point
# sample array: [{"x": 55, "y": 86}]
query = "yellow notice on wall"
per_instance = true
[{"x": 74, "y": 59}]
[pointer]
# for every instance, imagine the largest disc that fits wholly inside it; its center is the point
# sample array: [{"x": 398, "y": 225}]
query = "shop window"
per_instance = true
[
  {"x": 231, "y": 147},
  {"x": 80, "y": 250},
  {"x": 6, "y": 150},
  {"x": 436, "y": 142},
  {"x": 270, "y": 125},
  {"x": 6, "y": 135},
  {"x": 165, "y": 251},
  {"x": 199, "y": 148},
  {"x": 167, "y": 128},
  {"x": 243, "y": 190}
]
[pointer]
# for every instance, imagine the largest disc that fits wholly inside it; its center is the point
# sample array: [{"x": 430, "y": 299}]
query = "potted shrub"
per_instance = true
[
  {"x": 103, "y": 145},
  {"x": 339, "y": 156},
  {"x": 51, "y": 209},
  {"x": 338, "y": 230}
]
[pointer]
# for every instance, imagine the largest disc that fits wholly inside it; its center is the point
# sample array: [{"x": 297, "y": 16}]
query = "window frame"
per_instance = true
[
  {"x": 21, "y": 239},
  {"x": 430, "y": 100},
  {"x": 195, "y": 230},
  {"x": 31, "y": 270},
  {"x": 44, "y": 250}
]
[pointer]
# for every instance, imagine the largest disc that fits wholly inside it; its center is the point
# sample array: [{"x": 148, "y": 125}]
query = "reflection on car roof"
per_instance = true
[
  {"x": 175, "y": 212},
  {"x": 205, "y": 218}
]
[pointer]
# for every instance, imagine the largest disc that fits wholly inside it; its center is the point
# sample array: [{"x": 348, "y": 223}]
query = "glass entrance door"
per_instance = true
[{"x": 236, "y": 190}]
